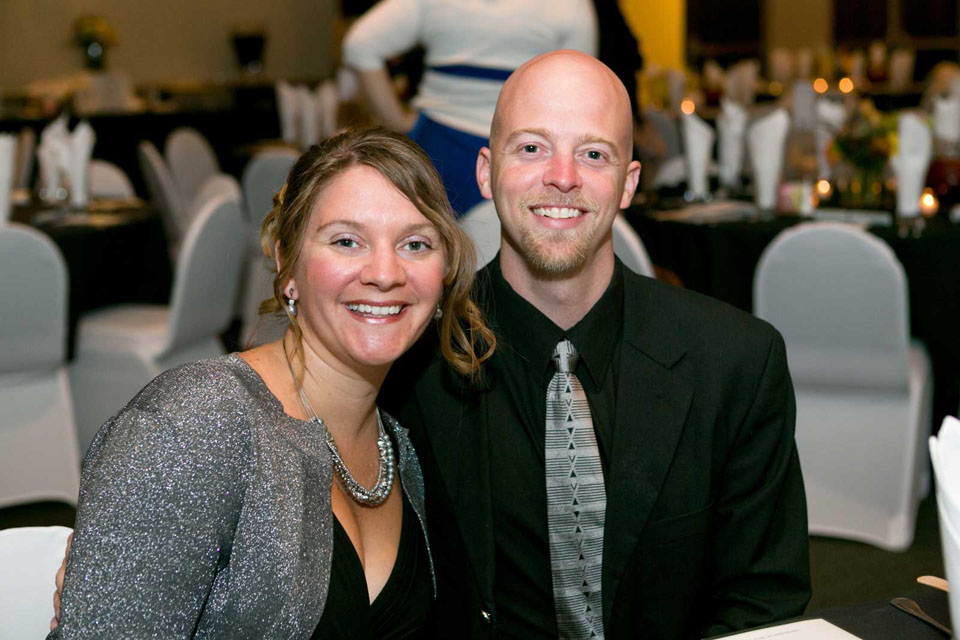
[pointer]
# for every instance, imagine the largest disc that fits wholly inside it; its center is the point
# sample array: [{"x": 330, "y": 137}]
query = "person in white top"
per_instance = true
[{"x": 471, "y": 47}]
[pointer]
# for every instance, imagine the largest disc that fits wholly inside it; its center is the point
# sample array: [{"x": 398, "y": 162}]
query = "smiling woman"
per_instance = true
[{"x": 258, "y": 487}]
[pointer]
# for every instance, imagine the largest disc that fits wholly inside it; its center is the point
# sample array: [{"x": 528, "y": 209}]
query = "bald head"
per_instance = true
[{"x": 581, "y": 80}]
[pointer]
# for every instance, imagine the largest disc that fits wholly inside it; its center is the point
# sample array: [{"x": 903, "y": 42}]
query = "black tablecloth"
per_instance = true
[
  {"x": 720, "y": 259},
  {"x": 114, "y": 257},
  {"x": 881, "y": 620}
]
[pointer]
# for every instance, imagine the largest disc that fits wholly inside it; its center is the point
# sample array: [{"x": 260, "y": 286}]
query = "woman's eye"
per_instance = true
[
  {"x": 346, "y": 243},
  {"x": 417, "y": 246}
]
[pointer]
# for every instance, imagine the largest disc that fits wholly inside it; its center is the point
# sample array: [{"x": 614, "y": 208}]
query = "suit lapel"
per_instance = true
[
  {"x": 652, "y": 404},
  {"x": 457, "y": 427}
]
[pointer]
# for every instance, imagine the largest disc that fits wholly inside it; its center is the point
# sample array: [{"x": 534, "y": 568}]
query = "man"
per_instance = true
[{"x": 703, "y": 523}]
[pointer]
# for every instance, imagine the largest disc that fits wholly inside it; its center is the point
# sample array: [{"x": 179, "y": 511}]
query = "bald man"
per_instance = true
[{"x": 692, "y": 408}]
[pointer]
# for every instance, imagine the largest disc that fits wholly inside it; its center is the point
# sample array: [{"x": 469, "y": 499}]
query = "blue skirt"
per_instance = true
[{"x": 454, "y": 154}]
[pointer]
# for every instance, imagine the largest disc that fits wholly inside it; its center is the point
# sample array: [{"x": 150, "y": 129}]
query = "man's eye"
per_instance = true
[
  {"x": 594, "y": 155},
  {"x": 530, "y": 148}
]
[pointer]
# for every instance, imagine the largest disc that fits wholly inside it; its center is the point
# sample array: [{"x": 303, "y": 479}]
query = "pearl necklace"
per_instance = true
[{"x": 385, "y": 469}]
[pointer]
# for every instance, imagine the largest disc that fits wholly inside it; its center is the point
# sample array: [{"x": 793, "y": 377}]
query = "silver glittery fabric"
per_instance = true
[{"x": 205, "y": 512}]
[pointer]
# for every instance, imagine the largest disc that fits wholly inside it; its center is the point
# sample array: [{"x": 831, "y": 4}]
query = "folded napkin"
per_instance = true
[
  {"x": 765, "y": 141},
  {"x": 698, "y": 139},
  {"x": 308, "y": 117},
  {"x": 731, "y": 126},
  {"x": 53, "y": 155},
  {"x": 804, "y": 63},
  {"x": 328, "y": 102},
  {"x": 677, "y": 88},
  {"x": 914, "y": 150},
  {"x": 741, "y": 83},
  {"x": 858, "y": 67},
  {"x": 8, "y": 152},
  {"x": 287, "y": 109},
  {"x": 347, "y": 84},
  {"x": 945, "y": 455},
  {"x": 900, "y": 74},
  {"x": 946, "y": 119},
  {"x": 804, "y": 107},
  {"x": 831, "y": 116},
  {"x": 81, "y": 149},
  {"x": 781, "y": 66}
]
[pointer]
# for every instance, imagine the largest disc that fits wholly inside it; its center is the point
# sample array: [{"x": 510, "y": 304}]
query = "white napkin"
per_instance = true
[
  {"x": 900, "y": 74},
  {"x": 81, "y": 149},
  {"x": 308, "y": 117},
  {"x": 677, "y": 88},
  {"x": 731, "y": 125},
  {"x": 287, "y": 110},
  {"x": 53, "y": 155},
  {"x": 741, "y": 84},
  {"x": 765, "y": 140},
  {"x": 945, "y": 454},
  {"x": 914, "y": 150},
  {"x": 804, "y": 63},
  {"x": 804, "y": 107},
  {"x": 698, "y": 139},
  {"x": 8, "y": 152},
  {"x": 781, "y": 66},
  {"x": 328, "y": 103},
  {"x": 946, "y": 119},
  {"x": 831, "y": 116},
  {"x": 858, "y": 67}
]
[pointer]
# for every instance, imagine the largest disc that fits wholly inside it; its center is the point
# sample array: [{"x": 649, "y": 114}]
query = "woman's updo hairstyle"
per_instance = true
[{"x": 464, "y": 338}]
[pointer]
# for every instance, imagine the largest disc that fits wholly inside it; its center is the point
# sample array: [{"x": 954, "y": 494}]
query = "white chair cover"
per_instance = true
[
  {"x": 163, "y": 194},
  {"x": 629, "y": 248},
  {"x": 262, "y": 178},
  {"x": 29, "y": 560},
  {"x": 107, "y": 180},
  {"x": 38, "y": 446},
  {"x": 120, "y": 349},
  {"x": 839, "y": 297},
  {"x": 191, "y": 160},
  {"x": 219, "y": 184}
]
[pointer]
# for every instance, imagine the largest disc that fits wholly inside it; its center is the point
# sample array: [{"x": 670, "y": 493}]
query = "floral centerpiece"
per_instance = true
[
  {"x": 866, "y": 144},
  {"x": 94, "y": 34}
]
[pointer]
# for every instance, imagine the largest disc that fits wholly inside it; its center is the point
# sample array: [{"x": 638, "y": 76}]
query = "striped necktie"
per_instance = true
[{"x": 576, "y": 502}]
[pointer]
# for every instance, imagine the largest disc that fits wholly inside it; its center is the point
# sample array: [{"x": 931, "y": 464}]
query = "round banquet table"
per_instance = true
[
  {"x": 115, "y": 253},
  {"x": 719, "y": 259}
]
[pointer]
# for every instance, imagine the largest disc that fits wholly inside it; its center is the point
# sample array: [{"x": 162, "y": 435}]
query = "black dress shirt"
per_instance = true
[{"x": 521, "y": 369}]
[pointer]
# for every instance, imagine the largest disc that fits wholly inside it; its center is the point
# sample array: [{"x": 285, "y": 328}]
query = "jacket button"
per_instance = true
[{"x": 486, "y": 617}]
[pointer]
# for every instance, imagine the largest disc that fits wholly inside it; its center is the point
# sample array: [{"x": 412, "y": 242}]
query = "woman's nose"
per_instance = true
[{"x": 384, "y": 269}]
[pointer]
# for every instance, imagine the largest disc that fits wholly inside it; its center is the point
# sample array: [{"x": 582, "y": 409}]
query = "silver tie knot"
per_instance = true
[{"x": 565, "y": 356}]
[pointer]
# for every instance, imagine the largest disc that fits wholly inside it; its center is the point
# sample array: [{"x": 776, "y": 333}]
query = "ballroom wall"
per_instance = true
[
  {"x": 790, "y": 24},
  {"x": 164, "y": 41}
]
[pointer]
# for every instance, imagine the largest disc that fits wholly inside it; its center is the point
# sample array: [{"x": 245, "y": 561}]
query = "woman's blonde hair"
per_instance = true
[{"x": 465, "y": 340}]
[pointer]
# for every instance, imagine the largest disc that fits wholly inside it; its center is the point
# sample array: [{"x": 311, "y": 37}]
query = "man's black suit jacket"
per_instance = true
[{"x": 706, "y": 526}]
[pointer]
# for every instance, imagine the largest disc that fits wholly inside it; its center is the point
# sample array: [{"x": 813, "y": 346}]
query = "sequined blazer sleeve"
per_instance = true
[{"x": 161, "y": 492}]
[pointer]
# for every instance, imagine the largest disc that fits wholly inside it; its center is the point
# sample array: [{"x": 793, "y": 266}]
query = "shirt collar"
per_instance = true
[{"x": 533, "y": 336}]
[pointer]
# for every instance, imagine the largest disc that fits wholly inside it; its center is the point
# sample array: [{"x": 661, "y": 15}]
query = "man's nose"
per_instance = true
[
  {"x": 384, "y": 269},
  {"x": 562, "y": 173}
]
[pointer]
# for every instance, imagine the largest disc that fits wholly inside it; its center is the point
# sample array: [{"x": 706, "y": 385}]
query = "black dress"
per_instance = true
[{"x": 400, "y": 610}]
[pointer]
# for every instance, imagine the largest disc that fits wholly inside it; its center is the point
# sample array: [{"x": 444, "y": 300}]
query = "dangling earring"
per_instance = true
[
  {"x": 291, "y": 304},
  {"x": 438, "y": 313}
]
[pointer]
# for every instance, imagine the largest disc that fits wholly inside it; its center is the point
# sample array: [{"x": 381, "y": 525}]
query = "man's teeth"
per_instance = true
[
  {"x": 375, "y": 311},
  {"x": 557, "y": 212}
]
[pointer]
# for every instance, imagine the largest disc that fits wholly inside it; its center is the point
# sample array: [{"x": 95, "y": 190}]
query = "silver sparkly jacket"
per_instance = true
[{"x": 205, "y": 513}]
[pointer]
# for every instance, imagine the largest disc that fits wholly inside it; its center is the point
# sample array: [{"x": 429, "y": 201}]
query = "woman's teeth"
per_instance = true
[
  {"x": 371, "y": 310},
  {"x": 557, "y": 212}
]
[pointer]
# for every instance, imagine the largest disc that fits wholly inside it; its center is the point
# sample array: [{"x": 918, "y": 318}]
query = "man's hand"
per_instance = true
[{"x": 59, "y": 580}]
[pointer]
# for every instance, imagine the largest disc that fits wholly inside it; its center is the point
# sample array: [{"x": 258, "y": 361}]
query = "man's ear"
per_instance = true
[
  {"x": 630, "y": 183},
  {"x": 483, "y": 173}
]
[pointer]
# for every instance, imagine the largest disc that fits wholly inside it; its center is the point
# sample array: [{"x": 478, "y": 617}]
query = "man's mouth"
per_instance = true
[
  {"x": 374, "y": 310},
  {"x": 558, "y": 213}
]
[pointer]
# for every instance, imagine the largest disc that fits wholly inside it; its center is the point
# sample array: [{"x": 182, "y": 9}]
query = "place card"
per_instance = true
[{"x": 817, "y": 629}]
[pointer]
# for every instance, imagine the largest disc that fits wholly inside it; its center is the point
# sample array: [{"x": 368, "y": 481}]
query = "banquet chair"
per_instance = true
[
  {"x": 26, "y": 155},
  {"x": 191, "y": 160},
  {"x": 216, "y": 185},
  {"x": 119, "y": 349},
  {"x": 107, "y": 180},
  {"x": 163, "y": 194},
  {"x": 29, "y": 560},
  {"x": 483, "y": 226},
  {"x": 265, "y": 175},
  {"x": 863, "y": 389},
  {"x": 38, "y": 442}
]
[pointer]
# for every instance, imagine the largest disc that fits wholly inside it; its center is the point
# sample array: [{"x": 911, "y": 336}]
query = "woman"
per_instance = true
[
  {"x": 208, "y": 506},
  {"x": 471, "y": 48}
]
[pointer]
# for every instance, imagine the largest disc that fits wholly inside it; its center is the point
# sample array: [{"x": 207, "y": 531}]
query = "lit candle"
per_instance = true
[
  {"x": 820, "y": 85},
  {"x": 687, "y": 106},
  {"x": 845, "y": 85},
  {"x": 824, "y": 188},
  {"x": 929, "y": 205}
]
